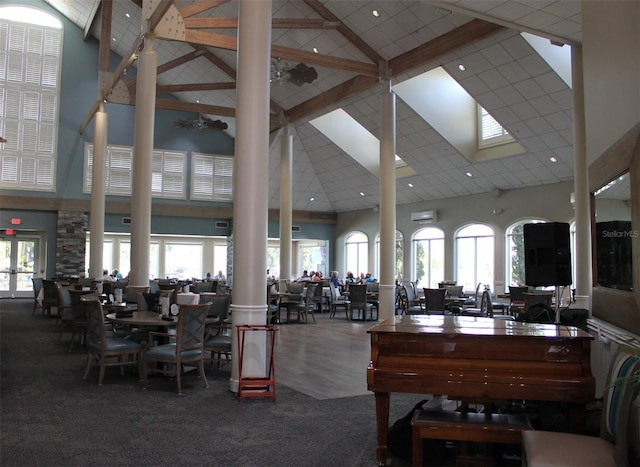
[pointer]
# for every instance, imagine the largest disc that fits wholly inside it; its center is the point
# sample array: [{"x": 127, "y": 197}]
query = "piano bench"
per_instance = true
[{"x": 469, "y": 426}]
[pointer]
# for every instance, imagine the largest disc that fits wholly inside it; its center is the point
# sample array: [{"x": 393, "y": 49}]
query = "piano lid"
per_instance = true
[{"x": 472, "y": 325}]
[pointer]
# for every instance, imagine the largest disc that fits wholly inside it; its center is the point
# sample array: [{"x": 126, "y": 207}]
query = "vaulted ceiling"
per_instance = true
[{"x": 503, "y": 73}]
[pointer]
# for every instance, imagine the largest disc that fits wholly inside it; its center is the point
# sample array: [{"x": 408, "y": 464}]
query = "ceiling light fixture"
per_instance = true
[
  {"x": 469, "y": 174},
  {"x": 410, "y": 185},
  {"x": 553, "y": 159},
  {"x": 315, "y": 50},
  {"x": 312, "y": 199},
  {"x": 376, "y": 13},
  {"x": 361, "y": 194},
  {"x": 127, "y": 15},
  {"x": 461, "y": 67}
]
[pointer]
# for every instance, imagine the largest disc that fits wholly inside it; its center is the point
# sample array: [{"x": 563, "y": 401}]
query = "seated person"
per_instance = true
[
  {"x": 350, "y": 279},
  {"x": 369, "y": 278},
  {"x": 220, "y": 278},
  {"x": 106, "y": 277}
]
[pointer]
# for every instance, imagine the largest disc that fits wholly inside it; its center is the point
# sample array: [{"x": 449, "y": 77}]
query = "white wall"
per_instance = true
[
  {"x": 549, "y": 202},
  {"x": 611, "y": 60}
]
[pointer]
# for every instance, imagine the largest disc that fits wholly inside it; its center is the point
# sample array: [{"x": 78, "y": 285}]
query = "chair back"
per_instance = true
[
  {"x": 77, "y": 306},
  {"x": 37, "y": 286},
  {"x": 64, "y": 305},
  {"x": 486, "y": 306},
  {"x": 531, "y": 299},
  {"x": 51, "y": 296},
  {"x": 453, "y": 290},
  {"x": 296, "y": 287},
  {"x": 219, "y": 306},
  {"x": 516, "y": 293},
  {"x": 373, "y": 286},
  {"x": 310, "y": 293},
  {"x": 409, "y": 295},
  {"x": 200, "y": 287},
  {"x": 616, "y": 402},
  {"x": 95, "y": 320},
  {"x": 317, "y": 291},
  {"x": 358, "y": 294},
  {"x": 434, "y": 299},
  {"x": 191, "y": 326}
]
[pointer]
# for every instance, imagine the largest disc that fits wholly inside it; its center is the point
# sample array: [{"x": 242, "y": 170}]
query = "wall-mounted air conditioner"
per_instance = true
[{"x": 424, "y": 217}]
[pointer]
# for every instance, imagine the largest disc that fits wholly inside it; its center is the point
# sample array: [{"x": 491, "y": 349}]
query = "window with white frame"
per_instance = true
[
  {"x": 515, "y": 252},
  {"x": 356, "y": 253},
  {"x": 30, "y": 59},
  {"x": 428, "y": 257},
  {"x": 399, "y": 259},
  {"x": 169, "y": 170},
  {"x": 474, "y": 256},
  {"x": 490, "y": 132},
  {"x": 211, "y": 177}
]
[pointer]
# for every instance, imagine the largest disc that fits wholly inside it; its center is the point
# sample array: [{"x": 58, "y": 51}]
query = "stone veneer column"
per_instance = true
[{"x": 71, "y": 243}]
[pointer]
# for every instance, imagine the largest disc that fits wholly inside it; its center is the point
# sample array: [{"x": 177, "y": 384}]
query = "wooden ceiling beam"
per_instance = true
[
  {"x": 193, "y": 87},
  {"x": 330, "y": 97},
  {"x": 217, "y": 61},
  {"x": 469, "y": 33},
  {"x": 276, "y": 23},
  {"x": 200, "y": 6},
  {"x": 348, "y": 34}
]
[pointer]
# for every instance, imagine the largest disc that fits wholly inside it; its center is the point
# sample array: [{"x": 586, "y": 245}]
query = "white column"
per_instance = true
[
  {"x": 582, "y": 251},
  {"x": 387, "y": 202},
  {"x": 286, "y": 202},
  {"x": 142, "y": 164},
  {"x": 251, "y": 184},
  {"x": 96, "y": 225}
]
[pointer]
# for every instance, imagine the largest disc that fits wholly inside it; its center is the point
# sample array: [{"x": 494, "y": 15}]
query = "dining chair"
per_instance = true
[
  {"x": 516, "y": 298},
  {"x": 483, "y": 310},
  {"x": 103, "y": 348},
  {"x": 358, "y": 299},
  {"x": 616, "y": 440},
  {"x": 305, "y": 306},
  {"x": 434, "y": 300},
  {"x": 186, "y": 346},
  {"x": 410, "y": 304},
  {"x": 336, "y": 301},
  {"x": 79, "y": 323},
  {"x": 218, "y": 336},
  {"x": 319, "y": 298},
  {"x": 51, "y": 296},
  {"x": 64, "y": 310},
  {"x": 37, "y": 292}
]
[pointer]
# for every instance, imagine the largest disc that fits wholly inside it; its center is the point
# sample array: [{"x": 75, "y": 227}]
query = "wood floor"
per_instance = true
[{"x": 325, "y": 360}]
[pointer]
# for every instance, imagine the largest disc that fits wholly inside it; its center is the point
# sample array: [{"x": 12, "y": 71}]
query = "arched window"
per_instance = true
[
  {"x": 428, "y": 257},
  {"x": 31, "y": 47},
  {"x": 399, "y": 252},
  {"x": 474, "y": 256},
  {"x": 356, "y": 253},
  {"x": 514, "y": 254}
]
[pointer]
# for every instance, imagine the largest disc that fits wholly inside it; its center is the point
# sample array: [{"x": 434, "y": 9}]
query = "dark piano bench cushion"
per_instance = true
[{"x": 457, "y": 426}]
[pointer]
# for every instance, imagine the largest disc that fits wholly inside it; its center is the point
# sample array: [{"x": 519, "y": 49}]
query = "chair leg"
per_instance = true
[
  {"x": 87, "y": 366},
  {"x": 202, "y": 375},
  {"x": 313, "y": 315},
  {"x": 102, "y": 368}
]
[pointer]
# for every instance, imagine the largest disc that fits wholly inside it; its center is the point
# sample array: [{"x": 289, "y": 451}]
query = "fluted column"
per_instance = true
[
  {"x": 387, "y": 202},
  {"x": 96, "y": 223},
  {"x": 582, "y": 251},
  {"x": 251, "y": 184},
  {"x": 286, "y": 202}
]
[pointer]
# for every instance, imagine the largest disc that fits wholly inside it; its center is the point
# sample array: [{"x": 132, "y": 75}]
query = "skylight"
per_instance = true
[
  {"x": 354, "y": 139},
  {"x": 557, "y": 57},
  {"x": 29, "y": 15}
]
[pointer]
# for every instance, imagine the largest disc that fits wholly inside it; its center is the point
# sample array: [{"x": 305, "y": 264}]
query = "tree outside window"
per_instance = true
[{"x": 428, "y": 257}]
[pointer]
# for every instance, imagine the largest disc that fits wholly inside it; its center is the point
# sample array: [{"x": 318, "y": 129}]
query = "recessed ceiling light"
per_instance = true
[
  {"x": 312, "y": 199},
  {"x": 553, "y": 159},
  {"x": 410, "y": 185},
  {"x": 361, "y": 194},
  {"x": 113, "y": 39},
  {"x": 461, "y": 67},
  {"x": 376, "y": 13},
  {"x": 127, "y": 15},
  {"x": 469, "y": 174},
  {"x": 315, "y": 50},
  {"x": 197, "y": 101}
]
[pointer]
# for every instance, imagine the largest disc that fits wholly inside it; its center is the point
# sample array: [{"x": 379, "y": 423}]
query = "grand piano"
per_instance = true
[{"x": 480, "y": 360}]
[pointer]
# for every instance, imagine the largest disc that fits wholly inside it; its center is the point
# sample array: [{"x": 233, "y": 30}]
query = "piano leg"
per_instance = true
[{"x": 382, "y": 423}]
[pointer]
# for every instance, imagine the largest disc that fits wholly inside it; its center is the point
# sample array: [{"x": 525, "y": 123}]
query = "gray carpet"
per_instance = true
[{"x": 50, "y": 416}]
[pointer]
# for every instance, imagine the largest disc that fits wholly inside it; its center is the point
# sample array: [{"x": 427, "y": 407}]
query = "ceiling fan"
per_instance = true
[
  {"x": 201, "y": 123},
  {"x": 298, "y": 75}
]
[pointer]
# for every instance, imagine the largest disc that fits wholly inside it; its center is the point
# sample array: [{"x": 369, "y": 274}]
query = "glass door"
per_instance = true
[{"x": 18, "y": 257}]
